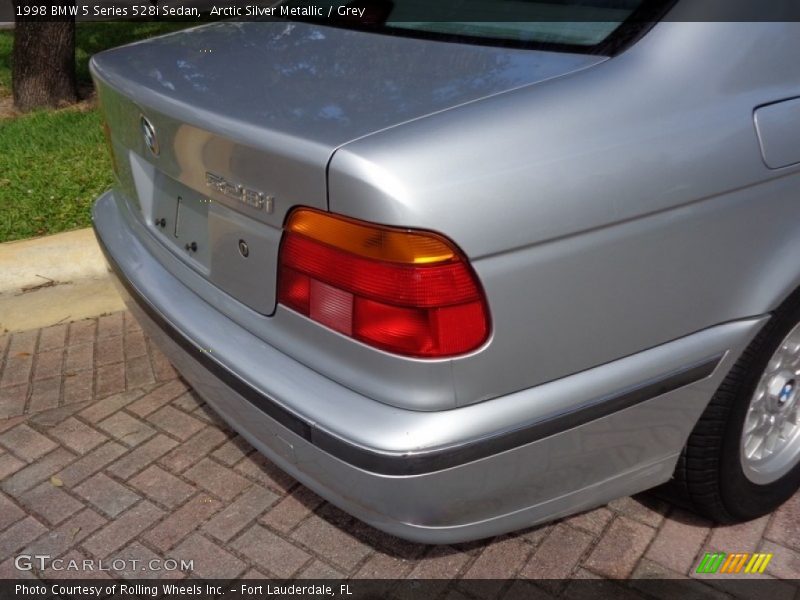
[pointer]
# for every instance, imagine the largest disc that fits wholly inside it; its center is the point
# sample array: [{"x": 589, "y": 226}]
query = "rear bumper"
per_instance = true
[{"x": 434, "y": 477}]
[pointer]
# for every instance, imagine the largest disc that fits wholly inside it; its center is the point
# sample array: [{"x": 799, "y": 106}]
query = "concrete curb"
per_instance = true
[
  {"x": 59, "y": 258},
  {"x": 55, "y": 278}
]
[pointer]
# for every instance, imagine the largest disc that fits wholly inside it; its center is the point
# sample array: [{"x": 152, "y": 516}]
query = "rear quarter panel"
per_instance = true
[{"x": 607, "y": 211}]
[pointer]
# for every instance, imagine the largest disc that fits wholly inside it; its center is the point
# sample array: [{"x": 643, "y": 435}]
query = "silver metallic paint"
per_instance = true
[
  {"x": 618, "y": 212},
  {"x": 359, "y": 418},
  {"x": 605, "y": 211},
  {"x": 625, "y": 452},
  {"x": 778, "y": 127},
  {"x": 269, "y": 127},
  {"x": 256, "y": 140}
]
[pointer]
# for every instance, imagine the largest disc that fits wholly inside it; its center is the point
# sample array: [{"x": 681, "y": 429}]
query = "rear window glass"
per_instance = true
[
  {"x": 574, "y": 24},
  {"x": 581, "y": 33}
]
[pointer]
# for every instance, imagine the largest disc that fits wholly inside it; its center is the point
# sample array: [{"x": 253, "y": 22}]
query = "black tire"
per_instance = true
[{"x": 709, "y": 478}]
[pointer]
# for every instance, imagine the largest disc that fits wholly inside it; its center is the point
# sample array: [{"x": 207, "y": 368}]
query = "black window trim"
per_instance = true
[{"x": 629, "y": 31}]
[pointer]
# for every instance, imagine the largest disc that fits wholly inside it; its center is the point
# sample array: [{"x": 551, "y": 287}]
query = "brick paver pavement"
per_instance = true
[{"x": 105, "y": 453}]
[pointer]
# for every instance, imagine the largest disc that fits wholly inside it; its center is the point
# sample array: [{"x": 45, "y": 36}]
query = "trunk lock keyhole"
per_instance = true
[{"x": 244, "y": 250}]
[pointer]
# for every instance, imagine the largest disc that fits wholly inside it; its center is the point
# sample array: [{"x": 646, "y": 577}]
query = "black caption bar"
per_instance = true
[
  {"x": 394, "y": 589},
  {"x": 367, "y": 12}
]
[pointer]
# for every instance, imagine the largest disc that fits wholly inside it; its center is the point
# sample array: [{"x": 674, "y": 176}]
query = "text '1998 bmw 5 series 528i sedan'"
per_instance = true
[{"x": 462, "y": 278}]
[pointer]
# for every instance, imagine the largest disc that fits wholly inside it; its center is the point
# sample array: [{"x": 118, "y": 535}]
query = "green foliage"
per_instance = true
[{"x": 53, "y": 164}]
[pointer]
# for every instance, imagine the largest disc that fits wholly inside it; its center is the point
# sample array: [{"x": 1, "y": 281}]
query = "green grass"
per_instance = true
[{"x": 53, "y": 164}]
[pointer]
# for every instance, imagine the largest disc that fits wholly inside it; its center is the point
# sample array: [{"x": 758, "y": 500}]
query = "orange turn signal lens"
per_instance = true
[{"x": 377, "y": 242}]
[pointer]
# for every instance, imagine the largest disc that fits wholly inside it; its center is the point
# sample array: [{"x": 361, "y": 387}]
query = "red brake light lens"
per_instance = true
[{"x": 404, "y": 291}]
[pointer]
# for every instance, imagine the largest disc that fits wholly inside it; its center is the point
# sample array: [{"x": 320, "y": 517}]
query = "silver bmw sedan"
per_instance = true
[{"x": 460, "y": 278}]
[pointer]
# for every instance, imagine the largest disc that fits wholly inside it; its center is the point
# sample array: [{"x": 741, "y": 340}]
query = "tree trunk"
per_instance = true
[{"x": 43, "y": 64}]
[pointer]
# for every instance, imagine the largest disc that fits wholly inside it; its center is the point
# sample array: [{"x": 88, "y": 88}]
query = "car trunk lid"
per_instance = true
[{"x": 246, "y": 117}]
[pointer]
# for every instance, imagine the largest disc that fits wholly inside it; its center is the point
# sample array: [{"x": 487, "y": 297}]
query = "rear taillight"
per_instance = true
[{"x": 405, "y": 291}]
